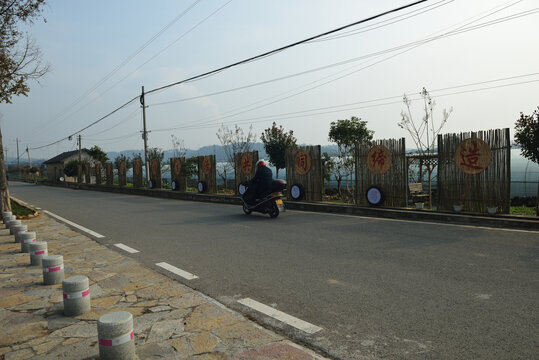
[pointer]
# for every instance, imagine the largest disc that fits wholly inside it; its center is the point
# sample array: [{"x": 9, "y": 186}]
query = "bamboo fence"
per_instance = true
[
  {"x": 244, "y": 167},
  {"x": 488, "y": 184},
  {"x": 393, "y": 182},
  {"x": 304, "y": 167}
]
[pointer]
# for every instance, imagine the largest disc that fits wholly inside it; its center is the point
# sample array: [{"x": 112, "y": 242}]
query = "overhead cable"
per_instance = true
[
  {"x": 252, "y": 106},
  {"x": 90, "y": 125},
  {"x": 366, "y": 56},
  {"x": 62, "y": 114},
  {"x": 272, "y": 52}
]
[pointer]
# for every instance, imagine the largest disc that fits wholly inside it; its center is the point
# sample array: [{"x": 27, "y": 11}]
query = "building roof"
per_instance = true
[{"x": 63, "y": 156}]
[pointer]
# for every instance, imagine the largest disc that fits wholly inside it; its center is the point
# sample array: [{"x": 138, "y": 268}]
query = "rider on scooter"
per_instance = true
[{"x": 260, "y": 184}]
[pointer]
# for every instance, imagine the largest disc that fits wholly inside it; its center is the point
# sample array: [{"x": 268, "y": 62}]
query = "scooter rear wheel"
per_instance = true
[
  {"x": 273, "y": 210},
  {"x": 246, "y": 210}
]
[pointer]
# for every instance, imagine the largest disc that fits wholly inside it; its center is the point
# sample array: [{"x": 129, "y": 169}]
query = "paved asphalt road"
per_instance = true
[{"x": 379, "y": 289}]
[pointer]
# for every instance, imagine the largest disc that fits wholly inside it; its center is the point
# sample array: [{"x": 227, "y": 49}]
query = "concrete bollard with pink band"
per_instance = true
[
  {"x": 19, "y": 229},
  {"x": 115, "y": 336},
  {"x": 37, "y": 251},
  {"x": 76, "y": 295},
  {"x": 26, "y": 238},
  {"x": 11, "y": 224},
  {"x": 8, "y": 218},
  {"x": 53, "y": 269}
]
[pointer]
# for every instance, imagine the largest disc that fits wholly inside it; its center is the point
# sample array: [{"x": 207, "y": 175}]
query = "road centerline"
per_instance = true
[{"x": 281, "y": 316}]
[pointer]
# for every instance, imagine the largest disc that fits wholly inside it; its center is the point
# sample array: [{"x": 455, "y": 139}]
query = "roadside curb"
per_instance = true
[{"x": 493, "y": 221}]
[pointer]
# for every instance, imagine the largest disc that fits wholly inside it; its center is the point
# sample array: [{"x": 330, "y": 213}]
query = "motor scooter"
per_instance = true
[{"x": 272, "y": 204}]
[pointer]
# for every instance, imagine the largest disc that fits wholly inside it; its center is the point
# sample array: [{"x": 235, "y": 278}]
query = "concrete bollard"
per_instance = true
[
  {"x": 115, "y": 336},
  {"x": 19, "y": 229},
  {"x": 18, "y": 236},
  {"x": 6, "y": 213},
  {"x": 5, "y": 219},
  {"x": 11, "y": 224},
  {"x": 26, "y": 238},
  {"x": 76, "y": 295},
  {"x": 53, "y": 269},
  {"x": 8, "y": 223},
  {"x": 37, "y": 251}
]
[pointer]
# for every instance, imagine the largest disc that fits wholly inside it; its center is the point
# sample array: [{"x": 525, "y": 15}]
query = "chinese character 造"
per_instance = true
[{"x": 469, "y": 157}]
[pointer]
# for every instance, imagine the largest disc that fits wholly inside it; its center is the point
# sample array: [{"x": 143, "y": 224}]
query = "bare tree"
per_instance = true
[
  {"x": 234, "y": 141},
  {"x": 178, "y": 145},
  {"x": 424, "y": 133},
  {"x": 20, "y": 63}
]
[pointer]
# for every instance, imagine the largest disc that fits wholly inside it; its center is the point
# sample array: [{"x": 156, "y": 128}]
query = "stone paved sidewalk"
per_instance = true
[{"x": 171, "y": 321}]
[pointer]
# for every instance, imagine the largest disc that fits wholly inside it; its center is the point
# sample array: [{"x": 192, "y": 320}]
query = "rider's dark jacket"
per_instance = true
[{"x": 262, "y": 181}]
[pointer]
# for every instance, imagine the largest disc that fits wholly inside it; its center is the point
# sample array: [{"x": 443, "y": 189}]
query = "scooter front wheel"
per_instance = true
[{"x": 246, "y": 209}]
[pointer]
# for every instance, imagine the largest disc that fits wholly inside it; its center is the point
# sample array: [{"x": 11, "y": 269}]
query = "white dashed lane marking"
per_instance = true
[
  {"x": 175, "y": 270},
  {"x": 281, "y": 316},
  {"x": 126, "y": 248}
]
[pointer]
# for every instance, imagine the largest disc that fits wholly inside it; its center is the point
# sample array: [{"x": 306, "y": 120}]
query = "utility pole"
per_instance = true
[
  {"x": 145, "y": 136},
  {"x": 18, "y": 159},
  {"x": 29, "y": 161},
  {"x": 80, "y": 151},
  {"x": 79, "y": 168}
]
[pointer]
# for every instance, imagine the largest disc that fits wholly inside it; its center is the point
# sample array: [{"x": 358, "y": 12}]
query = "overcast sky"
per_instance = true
[{"x": 103, "y": 52}]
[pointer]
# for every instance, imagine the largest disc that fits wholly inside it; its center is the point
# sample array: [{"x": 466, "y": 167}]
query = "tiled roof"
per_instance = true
[{"x": 63, "y": 156}]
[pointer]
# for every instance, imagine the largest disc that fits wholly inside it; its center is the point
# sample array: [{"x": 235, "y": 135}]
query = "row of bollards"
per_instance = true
[{"x": 114, "y": 330}]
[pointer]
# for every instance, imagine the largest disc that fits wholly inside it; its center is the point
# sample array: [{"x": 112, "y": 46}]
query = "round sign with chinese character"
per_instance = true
[
  {"x": 246, "y": 164},
  {"x": 302, "y": 162},
  {"x": 206, "y": 165},
  {"x": 473, "y": 156},
  {"x": 177, "y": 167},
  {"x": 379, "y": 159}
]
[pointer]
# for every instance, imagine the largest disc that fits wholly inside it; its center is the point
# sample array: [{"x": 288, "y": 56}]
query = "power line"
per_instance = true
[
  {"x": 127, "y": 118},
  {"x": 62, "y": 114},
  {"x": 115, "y": 138},
  {"x": 169, "y": 45},
  {"x": 317, "y": 111},
  {"x": 387, "y": 22},
  {"x": 374, "y": 54},
  {"x": 416, "y": 44},
  {"x": 275, "y": 51},
  {"x": 243, "y": 62},
  {"x": 86, "y": 127}
]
